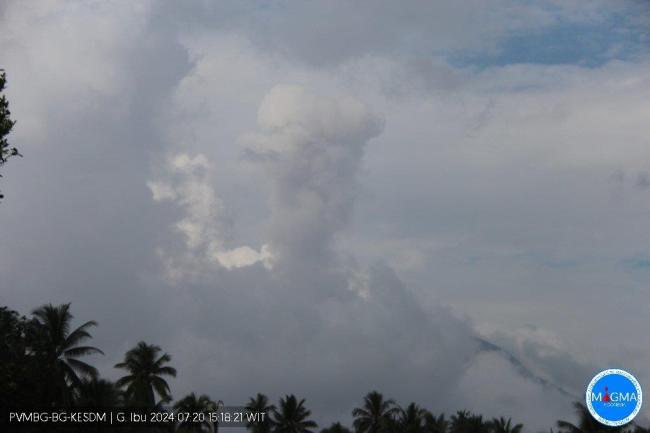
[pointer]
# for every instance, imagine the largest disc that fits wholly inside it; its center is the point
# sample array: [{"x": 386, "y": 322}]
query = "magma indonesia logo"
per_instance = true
[{"x": 614, "y": 397}]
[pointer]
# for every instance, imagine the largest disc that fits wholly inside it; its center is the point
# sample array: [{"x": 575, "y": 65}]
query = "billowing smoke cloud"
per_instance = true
[
  {"x": 313, "y": 321},
  {"x": 310, "y": 148},
  {"x": 338, "y": 330}
]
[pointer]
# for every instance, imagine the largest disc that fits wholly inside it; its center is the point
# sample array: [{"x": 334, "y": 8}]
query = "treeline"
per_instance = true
[{"x": 41, "y": 365}]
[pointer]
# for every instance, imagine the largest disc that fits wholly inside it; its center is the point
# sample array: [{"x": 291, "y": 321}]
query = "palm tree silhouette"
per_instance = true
[
  {"x": 60, "y": 349},
  {"x": 502, "y": 425},
  {"x": 193, "y": 405},
  {"x": 145, "y": 379},
  {"x": 433, "y": 424},
  {"x": 586, "y": 423},
  {"x": 291, "y": 416},
  {"x": 260, "y": 404},
  {"x": 98, "y": 393},
  {"x": 466, "y": 422},
  {"x": 411, "y": 419},
  {"x": 336, "y": 427},
  {"x": 375, "y": 414}
]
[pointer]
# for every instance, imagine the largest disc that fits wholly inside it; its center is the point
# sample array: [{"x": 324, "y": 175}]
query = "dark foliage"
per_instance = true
[
  {"x": 291, "y": 416},
  {"x": 6, "y": 125},
  {"x": 336, "y": 427},
  {"x": 41, "y": 367}
]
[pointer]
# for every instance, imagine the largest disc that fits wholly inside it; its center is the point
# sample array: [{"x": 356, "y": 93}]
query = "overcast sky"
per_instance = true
[{"x": 330, "y": 197}]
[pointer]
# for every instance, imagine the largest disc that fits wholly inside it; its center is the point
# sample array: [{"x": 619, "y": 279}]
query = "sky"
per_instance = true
[{"x": 330, "y": 197}]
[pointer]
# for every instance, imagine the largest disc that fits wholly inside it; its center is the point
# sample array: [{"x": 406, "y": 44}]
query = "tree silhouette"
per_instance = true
[
  {"x": 466, "y": 422},
  {"x": 260, "y": 404},
  {"x": 22, "y": 380},
  {"x": 433, "y": 424},
  {"x": 375, "y": 414},
  {"x": 6, "y": 124},
  {"x": 411, "y": 419},
  {"x": 502, "y": 425},
  {"x": 40, "y": 367},
  {"x": 336, "y": 427},
  {"x": 59, "y": 349},
  {"x": 586, "y": 423},
  {"x": 193, "y": 405},
  {"x": 98, "y": 392},
  {"x": 145, "y": 379},
  {"x": 291, "y": 416}
]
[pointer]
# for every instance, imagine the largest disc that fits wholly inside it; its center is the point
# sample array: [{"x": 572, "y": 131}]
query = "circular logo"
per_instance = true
[{"x": 614, "y": 397}]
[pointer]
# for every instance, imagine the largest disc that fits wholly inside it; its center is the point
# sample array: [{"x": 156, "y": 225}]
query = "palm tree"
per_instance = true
[
  {"x": 145, "y": 379},
  {"x": 61, "y": 349},
  {"x": 336, "y": 427},
  {"x": 193, "y": 405},
  {"x": 465, "y": 422},
  {"x": 98, "y": 393},
  {"x": 586, "y": 423},
  {"x": 375, "y": 413},
  {"x": 433, "y": 424},
  {"x": 502, "y": 425},
  {"x": 260, "y": 404},
  {"x": 291, "y": 416},
  {"x": 411, "y": 419}
]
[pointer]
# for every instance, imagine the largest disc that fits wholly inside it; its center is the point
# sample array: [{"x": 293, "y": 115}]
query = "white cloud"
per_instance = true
[
  {"x": 202, "y": 226},
  {"x": 244, "y": 256}
]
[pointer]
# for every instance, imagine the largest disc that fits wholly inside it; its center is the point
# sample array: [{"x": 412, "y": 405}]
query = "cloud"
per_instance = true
[
  {"x": 491, "y": 386},
  {"x": 311, "y": 149},
  {"x": 339, "y": 31},
  {"x": 547, "y": 354},
  {"x": 177, "y": 192},
  {"x": 203, "y": 225},
  {"x": 325, "y": 326}
]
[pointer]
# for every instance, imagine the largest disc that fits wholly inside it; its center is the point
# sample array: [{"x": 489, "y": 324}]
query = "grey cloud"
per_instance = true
[
  {"x": 311, "y": 148},
  {"x": 642, "y": 180},
  {"x": 540, "y": 350},
  {"x": 92, "y": 91},
  {"x": 299, "y": 327},
  {"x": 87, "y": 99}
]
